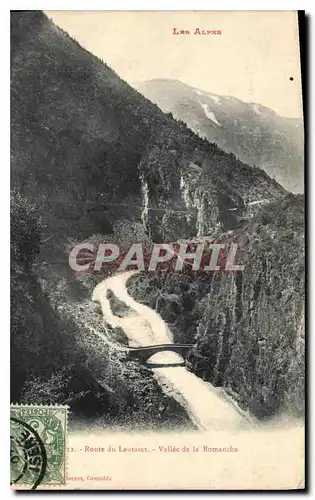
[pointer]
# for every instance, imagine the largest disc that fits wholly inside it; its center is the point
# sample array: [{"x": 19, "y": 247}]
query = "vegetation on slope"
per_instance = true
[
  {"x": 255, "y": 134},
  {"x": 247, "y": 327},
  {"x": 84, "y": 147}
]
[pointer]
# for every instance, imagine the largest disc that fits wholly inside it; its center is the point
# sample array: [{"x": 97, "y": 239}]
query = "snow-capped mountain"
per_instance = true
[{"x": 256, "y": 134}]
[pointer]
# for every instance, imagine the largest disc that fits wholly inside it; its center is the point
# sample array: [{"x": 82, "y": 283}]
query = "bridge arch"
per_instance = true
[{"x": 144, "y": 353}]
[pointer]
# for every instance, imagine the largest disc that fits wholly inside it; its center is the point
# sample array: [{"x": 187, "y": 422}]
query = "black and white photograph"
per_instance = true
[{"x": 157, "y": 250}]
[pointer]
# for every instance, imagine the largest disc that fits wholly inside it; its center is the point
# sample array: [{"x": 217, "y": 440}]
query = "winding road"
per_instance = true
[{"x": 143, "y": 326}]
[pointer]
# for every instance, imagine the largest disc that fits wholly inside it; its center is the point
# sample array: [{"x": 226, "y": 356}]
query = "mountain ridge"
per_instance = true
[{"x": 255, "y": 133}]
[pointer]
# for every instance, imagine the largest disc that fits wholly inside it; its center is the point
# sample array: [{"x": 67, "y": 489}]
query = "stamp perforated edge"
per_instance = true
[{"x": 22, "y": 486}]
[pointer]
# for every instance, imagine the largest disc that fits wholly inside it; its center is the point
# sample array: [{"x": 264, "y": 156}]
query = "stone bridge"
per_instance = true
[{"x": 144, "y": 353}]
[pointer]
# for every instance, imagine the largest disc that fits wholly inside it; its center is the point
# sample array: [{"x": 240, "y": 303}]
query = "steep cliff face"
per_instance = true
[
  {"x": 248, "y": 326},
  {"x": 254, "y": 133}
]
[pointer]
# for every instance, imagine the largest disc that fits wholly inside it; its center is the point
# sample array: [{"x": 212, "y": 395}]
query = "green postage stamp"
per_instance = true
[{"x": 38, "y": 446}]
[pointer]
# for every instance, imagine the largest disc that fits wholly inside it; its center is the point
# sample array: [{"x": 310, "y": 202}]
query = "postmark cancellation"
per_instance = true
[{"x": 38, "y": 436}]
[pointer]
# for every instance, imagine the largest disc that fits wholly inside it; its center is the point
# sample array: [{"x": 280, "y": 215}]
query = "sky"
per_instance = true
[{"x": 254, "y": 59}]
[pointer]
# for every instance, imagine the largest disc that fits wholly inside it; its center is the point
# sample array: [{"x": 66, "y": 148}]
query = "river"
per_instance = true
[{"x": 206, "y": 406}]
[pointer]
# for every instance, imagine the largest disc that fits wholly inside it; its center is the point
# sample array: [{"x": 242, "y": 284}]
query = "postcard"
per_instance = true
[{"x": 157, "y": 250}]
